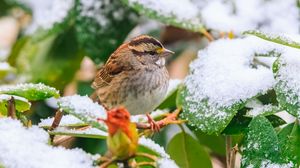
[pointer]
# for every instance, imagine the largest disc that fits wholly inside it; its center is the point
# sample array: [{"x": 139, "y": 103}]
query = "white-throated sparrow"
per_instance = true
[{"x": 134, "y": 76}]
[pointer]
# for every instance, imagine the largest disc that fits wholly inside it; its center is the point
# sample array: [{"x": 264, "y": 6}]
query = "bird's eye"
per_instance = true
[{"x": 152, "y": 53}]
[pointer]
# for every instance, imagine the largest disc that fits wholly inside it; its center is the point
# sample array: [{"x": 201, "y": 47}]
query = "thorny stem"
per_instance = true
[
  {"x": 11, "y": 109},
  {"x": 228, "y": 150}
]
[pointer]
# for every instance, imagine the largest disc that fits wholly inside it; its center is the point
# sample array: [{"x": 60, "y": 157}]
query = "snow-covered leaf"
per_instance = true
[
  {"x": 188, "y": 152},
  {"x": 261, "y": 146},
  {"x": 101, "y": 26},
  {"x": 28, "y": 147},
  {"x": 239, "y": 15},
  {"x": 222, "y": 79},
  {"x": 286, "y": 71},
  {"x": 21, "y": 103},
  {"x": 274, "y": 38},
  {"x": 85, "y": 109},
  {"x": 30, "y": 91},
  {"x": 47, "y": 15},
  {"x": 184, "y": 14},
  {"x": 66, "y": 121},
  {"x": 85, "y": 132}
]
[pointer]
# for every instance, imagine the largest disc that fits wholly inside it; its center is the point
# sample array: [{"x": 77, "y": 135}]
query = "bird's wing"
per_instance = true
[{"x": 105, "y": 75}]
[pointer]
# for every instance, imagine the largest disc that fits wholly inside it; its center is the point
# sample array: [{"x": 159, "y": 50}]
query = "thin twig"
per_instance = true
[
  {"x": 107, "y": 163},
  {"x": 233, "y": 156},
  {"x": 63, "y": 138},
  {"x": 57, "y": 119},
  {"x": 11, "y": 108},
  {"x": 153, "y": 164},
  {"x": 228, "y": 150},
  {"x": 146, "y": 155}
]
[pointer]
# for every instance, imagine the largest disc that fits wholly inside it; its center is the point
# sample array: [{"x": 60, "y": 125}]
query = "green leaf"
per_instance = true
[
  {"x": 83, "y": 108},
  {"x": 203, "y": 116},
  {"x": 240, "y": 122},
  {"x": 21, "y": 103},
  {"x": 170, "y": 99},
  {"x": 274, "y": 38},
  {"x": 289, "y": 141},
  {"x": 102, "y": 26},
  {"x": 216, "y": 143},
  {"x": 58, "y": 54},
  {"x": 187, "y": 152},
  {"x": 157, "y": 10},
  {"x": 261, "y": 146},
  {"x": 30, "y": 91}
]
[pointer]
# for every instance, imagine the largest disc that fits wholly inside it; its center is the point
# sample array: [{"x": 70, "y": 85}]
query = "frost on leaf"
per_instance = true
[
  {"x": 28, "y": 147},
  {"x": 261, "y": 146},
  {"x": 47, "y": 13},
  {"x": 85, "y": 109},
  {"x": 101, "y": 26},
  {"x": 184, "y": 14},
  {"x": 30, "y": 91},
  {"x": 222, "y": 78},
  {"x": 286, "y": 70}
]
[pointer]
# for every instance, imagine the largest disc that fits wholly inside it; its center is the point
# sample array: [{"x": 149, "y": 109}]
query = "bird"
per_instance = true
[{"x": 134, "y": 76}]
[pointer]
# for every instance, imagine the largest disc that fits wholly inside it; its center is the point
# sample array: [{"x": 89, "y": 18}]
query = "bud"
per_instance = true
[{"x": 122, "y": 140}]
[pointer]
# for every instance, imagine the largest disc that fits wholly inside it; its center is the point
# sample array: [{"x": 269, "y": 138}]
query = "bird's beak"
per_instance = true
[{"x": 166, "y": 52}]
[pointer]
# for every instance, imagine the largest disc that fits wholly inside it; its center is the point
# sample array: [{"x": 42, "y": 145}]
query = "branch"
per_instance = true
[
  {"x": 228, "y": 150},
  {"x": 233, "y": 156}
]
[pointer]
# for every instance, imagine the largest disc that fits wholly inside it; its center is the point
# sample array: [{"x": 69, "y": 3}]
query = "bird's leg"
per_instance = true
[
  {"x": 171, "y": 118},
  {"x": 154, "y": 126}
]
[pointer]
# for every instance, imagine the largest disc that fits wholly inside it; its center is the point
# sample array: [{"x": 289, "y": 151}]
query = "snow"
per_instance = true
[
  {"x": 183, "y": 10},
  {"x": 82, "y": 106},
  {"x": 65, "y": 121},
  {"x": 224, "y": 74},
  {"x": 166, "y": 163},
  {"x": 27, "y": 147},
  {"x": 262, "y": 109},
  {"x": 47, "y": 12},
  {"x": 153, "y": 146},
  {"x": 240, "y": 15}
]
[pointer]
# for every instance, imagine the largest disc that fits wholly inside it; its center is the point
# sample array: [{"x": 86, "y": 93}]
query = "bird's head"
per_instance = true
[{"x": 149, "y": 50}]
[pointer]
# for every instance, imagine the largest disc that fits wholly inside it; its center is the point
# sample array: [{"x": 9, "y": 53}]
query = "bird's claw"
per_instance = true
[{"x": 154, "y": 126}]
